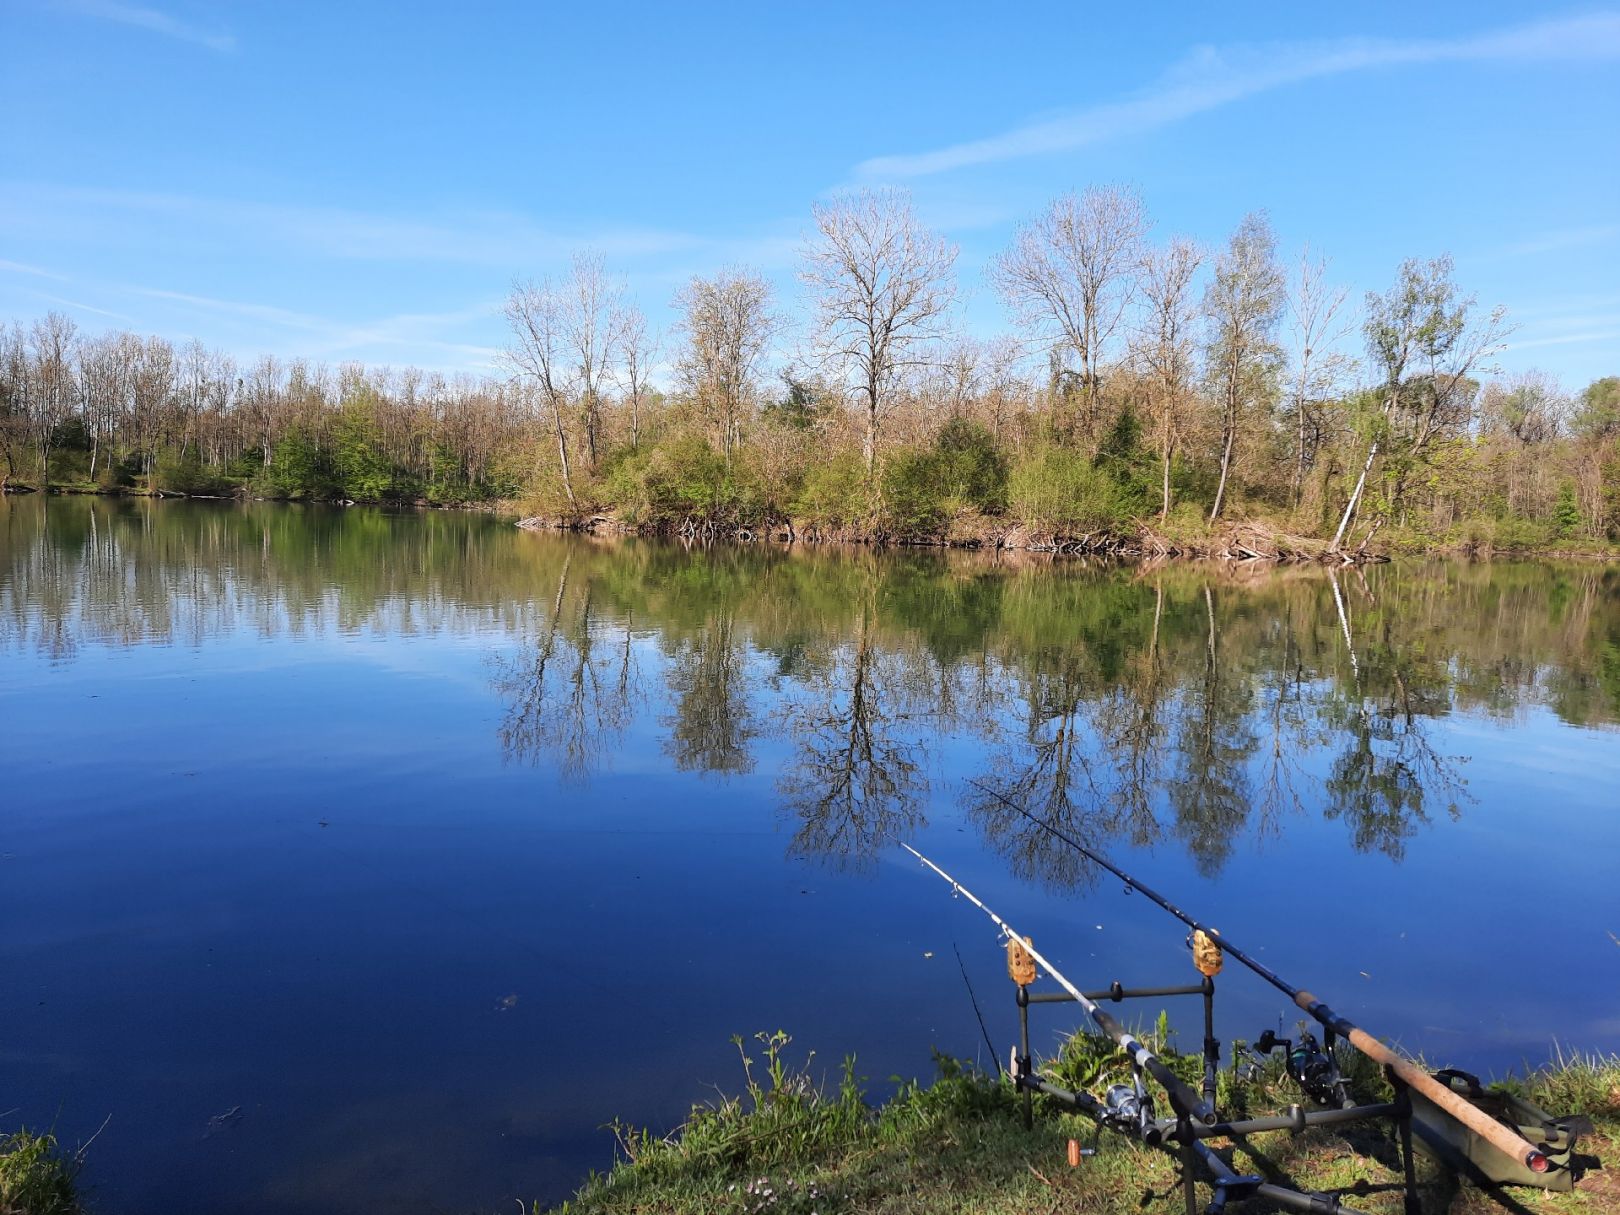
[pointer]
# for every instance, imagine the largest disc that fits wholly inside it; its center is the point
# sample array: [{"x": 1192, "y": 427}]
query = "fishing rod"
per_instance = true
[
  {"x": 1187, "y": 1103},
  {"x": 1515, "y": 1146}
]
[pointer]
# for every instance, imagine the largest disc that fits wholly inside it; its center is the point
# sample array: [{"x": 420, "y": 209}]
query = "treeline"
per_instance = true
[
  {"x": 1142, "y": 383},
  {"x": 116, "y": 412}
]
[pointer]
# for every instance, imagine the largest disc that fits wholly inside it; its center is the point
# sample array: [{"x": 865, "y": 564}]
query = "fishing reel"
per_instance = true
[
  {"x": 1128, "y": 1108},
  {"x": 1311, "y": 1067}
]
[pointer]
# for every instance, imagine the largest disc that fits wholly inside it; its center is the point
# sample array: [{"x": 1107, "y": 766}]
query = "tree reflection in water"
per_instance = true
[
  {"x": 571, "y": 690},
  {"x": 1197, "y": 707},
  {"x": 857, "y": 783}
]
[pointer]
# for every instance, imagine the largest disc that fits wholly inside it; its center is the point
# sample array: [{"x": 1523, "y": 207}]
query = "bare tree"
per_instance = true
[
  {"x": 591, "y": 306},
  {"x": 1242, "y": 306},
  {"x": 638, "y": 350},
  {"x": 1004, "y": 390},
  {"x": 53, "y": 384},
  {"x": 1318, "y": 322},
  {"x": 1070, "y": 275},
  {"x": 1166, "y": 347},
  {"x": 728, "y": 325},
  {"x": 883, "y": 283},
  {"x": 14, "y": 397},
  {"x": 539, "y": 354},
  {"x": 959, "y": 374},
  {"x": 1530, "y": 407}
]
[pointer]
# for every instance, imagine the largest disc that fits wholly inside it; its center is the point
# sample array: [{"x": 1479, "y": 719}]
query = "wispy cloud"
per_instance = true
[
  {"x": 1565, "y": 238},
  {"x": 432, "y": 340},
  {"x": 481, "y": 238},
  {"x": 507, "y": 242},
  {"x": 80, "y": 306},
  {"x": 154, "y": 21},
  {"x": 35, "y": 271},
  {"x": 1212, "y": 77},
  {"x": 1566, "y": 339}
]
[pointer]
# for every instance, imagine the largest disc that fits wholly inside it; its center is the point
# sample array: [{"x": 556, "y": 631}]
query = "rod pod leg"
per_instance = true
[
  {"x": 1189, "y": 1158},
  {"x": 1403, "y": 1118},
  {"x": 1023, "y": 1063},
  {"x": 1212, "y": 1048}
]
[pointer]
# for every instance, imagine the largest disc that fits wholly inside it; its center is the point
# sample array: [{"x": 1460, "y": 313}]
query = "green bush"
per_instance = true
[
  {"x": 680, "y": 478},
  {"x": 963, "y": 469},
  {"x": 969, "y": 466},
  {"x": 1135, "y": 471},
  {"x": 1566, "y": 513},
  {"x": 835, "y": 492},
  {"x": 1059, "y": 488},
  {"x": 913, "y": 498},
  {"x": 187, "y": 476},
  {"x": 298, "y": 468}
]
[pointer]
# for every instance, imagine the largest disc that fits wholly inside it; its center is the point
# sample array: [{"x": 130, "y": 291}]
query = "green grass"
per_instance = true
[
  {"x": 792, "y": 1145},
  {"x": 36, "y": 1178}
]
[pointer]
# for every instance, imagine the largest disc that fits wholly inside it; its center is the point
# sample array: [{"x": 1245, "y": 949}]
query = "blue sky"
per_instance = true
[{"x": 364, "y": 180}]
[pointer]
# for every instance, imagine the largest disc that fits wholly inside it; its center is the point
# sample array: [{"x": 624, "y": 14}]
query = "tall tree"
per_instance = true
[
  {"x": 638, "y": 350},
  {"x": 1318, "y": 321},
  {"x": 53, "y": 383},
  {"x": 728, "y": 324},
  {"x": 883, "y": 284},
  {"x": 1242, "y": 306},
  {"x": 539, "y": 355},
  {"x": 1070, "y": 274},
  {"x": 1426, "y": 344},
  {"x": 1166, "y": 348},
  {"x": 590, "y": 307}
]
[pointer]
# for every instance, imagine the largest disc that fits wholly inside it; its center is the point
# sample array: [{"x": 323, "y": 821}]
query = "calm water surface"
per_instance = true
[{"x": 361, "y": 862}]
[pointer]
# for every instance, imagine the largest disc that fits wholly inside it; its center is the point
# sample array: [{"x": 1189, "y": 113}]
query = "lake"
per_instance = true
[{"x": 357, "y": 861}]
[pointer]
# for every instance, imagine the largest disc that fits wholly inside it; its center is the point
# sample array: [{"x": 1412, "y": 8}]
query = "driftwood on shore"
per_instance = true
[{"x": 1232, "y": 542}]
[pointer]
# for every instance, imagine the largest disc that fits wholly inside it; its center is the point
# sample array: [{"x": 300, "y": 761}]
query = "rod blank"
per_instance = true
[
  {"x": 1471, "y": 1116},
  {"x": 1186, "y": 1102}
]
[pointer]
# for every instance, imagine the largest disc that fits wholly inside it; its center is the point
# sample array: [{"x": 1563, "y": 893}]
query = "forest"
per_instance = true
[{"x": 1141, "y": 384}]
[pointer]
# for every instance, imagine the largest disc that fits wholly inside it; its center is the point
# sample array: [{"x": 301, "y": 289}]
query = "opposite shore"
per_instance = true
[{"x": 1143, "y": 540}]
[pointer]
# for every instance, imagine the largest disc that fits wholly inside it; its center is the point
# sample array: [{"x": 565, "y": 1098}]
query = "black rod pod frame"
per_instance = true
[{"x": 1128, "y": 1109}]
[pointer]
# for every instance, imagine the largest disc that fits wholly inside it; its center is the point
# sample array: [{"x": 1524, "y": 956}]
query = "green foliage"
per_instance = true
[
  {"x": 1566, "y": 513},
  {"x": 970, "y": 467},
  {"x": 799, "y": 406},
  {"x": 1598, "y": 414},
  {"x": 835, "y": 492},
  {"x": 36, "y": 1178},
  {"x": 681, "y": 478},
  {"x": 962, "y": 469},
  {"x": 363, "y": 472},
  {"x": 70, "y": 434},
  {"x": 1135, "y": 471},
  {"x": 298, "y": 468},
  {"x": 187, "y": 475},
  {"x": 913, "y": 499},
  {"x": 1058, "y": 488}
]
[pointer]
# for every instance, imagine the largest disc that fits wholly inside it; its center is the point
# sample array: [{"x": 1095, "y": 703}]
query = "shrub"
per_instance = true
[
  {"x": 968, "y": 466},
  {"x": 186, "y": 475},
  {"x": 835, "y": 491},
  {"x": 913, "y": 498},
  {"x": 1566, "y": 513},
  {"x": 1058, "y": 488}
]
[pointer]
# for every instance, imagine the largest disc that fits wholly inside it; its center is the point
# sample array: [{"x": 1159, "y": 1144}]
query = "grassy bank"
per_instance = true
[
  {"x": 789, "y": 1144},
  {"x": 37, "y": 1177}
]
